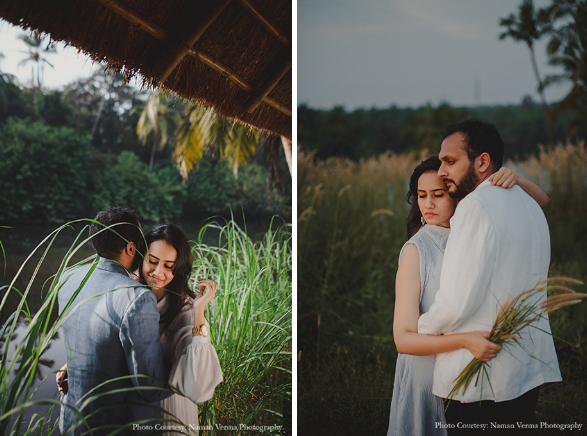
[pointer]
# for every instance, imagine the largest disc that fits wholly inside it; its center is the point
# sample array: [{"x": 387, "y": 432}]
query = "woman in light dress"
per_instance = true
[
  {"x": 414, "y": 409},
  {"x": 188, "y": 354}
]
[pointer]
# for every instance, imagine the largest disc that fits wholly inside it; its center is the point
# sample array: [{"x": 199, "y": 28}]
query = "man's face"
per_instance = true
[{"x": 457, "y": 171}]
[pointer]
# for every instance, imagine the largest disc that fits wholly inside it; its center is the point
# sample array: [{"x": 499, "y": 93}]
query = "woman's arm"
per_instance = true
[
  {"x": 196, "y": 371},
  {"x": 207, "y": 292},
  {"x": 506, "y": 178},
  {"x": 405, "y": 320}
]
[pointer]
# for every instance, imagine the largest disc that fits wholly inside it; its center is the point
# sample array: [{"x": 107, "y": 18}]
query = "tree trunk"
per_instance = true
[
  {"x": 156, "y": 139},
  {"x": 287, "y": 150},
  {"x": 95, "y": 126},
  {"x": 271, "y": 154},
  {"x": 100, "y": 109},
  {"x": 547, "y": 118}
]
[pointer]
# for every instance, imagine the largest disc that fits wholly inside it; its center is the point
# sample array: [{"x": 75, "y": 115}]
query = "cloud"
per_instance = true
[{"x": 443, "y": 18}]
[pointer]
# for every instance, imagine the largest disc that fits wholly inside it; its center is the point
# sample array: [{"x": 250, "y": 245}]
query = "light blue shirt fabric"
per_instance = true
[{"x": 112, "y": 335}]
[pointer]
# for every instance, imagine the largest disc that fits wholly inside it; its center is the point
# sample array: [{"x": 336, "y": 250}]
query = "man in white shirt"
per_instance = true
[{"x": 498, "y": 247}]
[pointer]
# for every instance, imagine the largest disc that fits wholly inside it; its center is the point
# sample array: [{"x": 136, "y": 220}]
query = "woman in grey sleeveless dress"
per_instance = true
[{"x": 414, "y": 409}]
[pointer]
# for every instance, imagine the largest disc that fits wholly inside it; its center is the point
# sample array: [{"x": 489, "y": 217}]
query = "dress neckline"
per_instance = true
[{"x": 438, "y": 234}]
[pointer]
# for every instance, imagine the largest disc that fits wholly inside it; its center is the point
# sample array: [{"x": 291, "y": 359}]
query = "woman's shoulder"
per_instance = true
[
  {"x": 426, "y": 239},
  {"x": 420, "y": 238},
  {"x": 428, "y": 235}
]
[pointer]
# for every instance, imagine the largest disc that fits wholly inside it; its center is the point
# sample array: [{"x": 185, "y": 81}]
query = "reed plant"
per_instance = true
[
  {"x": 251, "y": 328},
  {"x": 250, "y": 320}
]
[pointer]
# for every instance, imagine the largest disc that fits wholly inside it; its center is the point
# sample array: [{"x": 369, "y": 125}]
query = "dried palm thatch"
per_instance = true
[{"x": 233, "y": 55}]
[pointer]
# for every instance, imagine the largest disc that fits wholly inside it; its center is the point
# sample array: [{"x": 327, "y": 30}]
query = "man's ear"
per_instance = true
[
  {"x": 130, "y": 249},
  {"x": 483, "y": 162}
]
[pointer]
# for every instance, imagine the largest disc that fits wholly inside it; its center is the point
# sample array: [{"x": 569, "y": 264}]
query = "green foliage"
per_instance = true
[
  {"x": 211, "y": 188},
  {"x": 116, "y": 122},
  {"x": 214, "y": 189},
  {"x": 567, "y": 50},
  {"x": 54, "y": 110},
  {"x": 127, "y": 181},
  {"x": 367, "y": 133},
  {"x": 11, "y": 98},
  {"x": 357, "y": 134},
  {"x": 157, "y": 121},
  {"x": 427, "y": 127},
  {"x": 53, "y": 171},
  {"x": 203, "y": 131},
  {"x": 38, "y": 186},
  {"x": 251, "y": 326}
]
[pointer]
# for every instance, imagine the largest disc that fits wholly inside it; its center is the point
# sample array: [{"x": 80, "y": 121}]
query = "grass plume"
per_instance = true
[{"x": 514, "y": 316}]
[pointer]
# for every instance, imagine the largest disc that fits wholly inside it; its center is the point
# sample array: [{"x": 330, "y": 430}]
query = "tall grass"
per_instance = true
[
  {"x": 351, "y": 229},
  {"x": 250, "y": 321},
  {"x": 15, "y": 392},
  {"x": 251, "y": 328}
]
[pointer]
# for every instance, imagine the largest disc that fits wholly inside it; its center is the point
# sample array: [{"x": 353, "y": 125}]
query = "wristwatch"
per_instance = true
[{"x": 201, "y": 330}]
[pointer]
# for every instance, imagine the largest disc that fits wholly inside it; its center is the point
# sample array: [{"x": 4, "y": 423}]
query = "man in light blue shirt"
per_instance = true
[{"x": 114, "y": 333}]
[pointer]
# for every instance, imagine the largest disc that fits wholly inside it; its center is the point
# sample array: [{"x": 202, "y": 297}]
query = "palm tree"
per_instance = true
[
  {"x": 567, "y": 48},
  {"x": 204, "y": 131},
  {"x": 36, "y": 56},
  {"x": 8, "y": 89},
  {"x": 157, "y": 120},
  {"x": 528, "y": 28}
]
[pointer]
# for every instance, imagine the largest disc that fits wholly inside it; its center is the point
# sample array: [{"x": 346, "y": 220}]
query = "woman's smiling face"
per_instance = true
[
  {"x": 159, "y": 264},
  {"x": 436, "y": 206}
]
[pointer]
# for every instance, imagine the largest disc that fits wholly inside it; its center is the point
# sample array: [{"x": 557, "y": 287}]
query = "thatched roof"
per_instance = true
[{"x": 232, "y": 55}]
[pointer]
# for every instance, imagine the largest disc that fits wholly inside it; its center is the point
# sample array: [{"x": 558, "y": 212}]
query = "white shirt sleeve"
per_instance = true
[
  {"x": 196, "y": 371},
  {"x": 467, "y": 266}
]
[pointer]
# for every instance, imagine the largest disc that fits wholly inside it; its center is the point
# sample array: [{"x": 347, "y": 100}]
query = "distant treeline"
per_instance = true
[{"x": 363, "y": 133}]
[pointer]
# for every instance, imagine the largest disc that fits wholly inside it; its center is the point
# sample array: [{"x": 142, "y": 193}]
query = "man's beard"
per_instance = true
[{"x": 467, "y": 184}]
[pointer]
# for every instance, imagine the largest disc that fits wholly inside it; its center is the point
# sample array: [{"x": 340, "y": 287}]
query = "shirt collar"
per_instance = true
[
  {"x": 111, "y": 265},
  {"x": 485, "y": 182}
]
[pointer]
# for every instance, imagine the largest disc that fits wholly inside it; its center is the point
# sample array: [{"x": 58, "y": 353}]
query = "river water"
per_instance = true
[{"x": 20, "y": 241}]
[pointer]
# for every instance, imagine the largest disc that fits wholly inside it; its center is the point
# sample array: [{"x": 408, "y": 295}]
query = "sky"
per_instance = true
[
  {"x": 413, "y": 52},
  {"x": 69, "y": 65}
]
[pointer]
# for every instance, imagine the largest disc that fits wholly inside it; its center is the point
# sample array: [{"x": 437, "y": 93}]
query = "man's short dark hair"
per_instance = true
[
  {"x": 108, "y": 244},
  {"x": 480, "y": 137}
]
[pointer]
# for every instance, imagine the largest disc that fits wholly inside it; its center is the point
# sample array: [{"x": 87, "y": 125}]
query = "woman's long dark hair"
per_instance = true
[
  {"x": 413, "y": 222},
  {"x": 178, "y": 287}
]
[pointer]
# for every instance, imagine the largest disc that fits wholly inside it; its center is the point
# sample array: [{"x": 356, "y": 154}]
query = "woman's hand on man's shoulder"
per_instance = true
[{"x": 504, "y": 177}]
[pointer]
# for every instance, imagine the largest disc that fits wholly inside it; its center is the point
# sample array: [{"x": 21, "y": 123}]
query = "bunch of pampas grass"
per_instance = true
[{"x": 515, "y": 315}]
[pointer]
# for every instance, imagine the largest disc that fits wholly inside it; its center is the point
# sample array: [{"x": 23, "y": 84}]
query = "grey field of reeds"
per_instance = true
[
  {"x": 250, "y": 321},
  {"x": 350, "y": 231}
]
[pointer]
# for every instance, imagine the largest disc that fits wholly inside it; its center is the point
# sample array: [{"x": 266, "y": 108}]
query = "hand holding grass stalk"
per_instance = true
[{"x": 514, "y": 316}]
